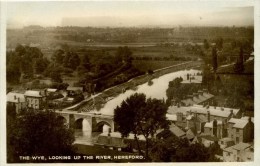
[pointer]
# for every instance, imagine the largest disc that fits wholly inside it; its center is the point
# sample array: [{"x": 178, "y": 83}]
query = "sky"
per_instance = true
[{"x": 129, "y": 13}]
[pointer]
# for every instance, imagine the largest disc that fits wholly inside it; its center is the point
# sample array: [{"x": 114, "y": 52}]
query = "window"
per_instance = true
[
  {"x": 237, "y": 130},
  {"x": 237, "y": 158},
  {"x": 237, "y": 139}
]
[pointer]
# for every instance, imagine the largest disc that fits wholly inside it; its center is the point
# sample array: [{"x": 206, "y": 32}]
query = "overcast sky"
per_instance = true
[{"x": 125, "y": 13}]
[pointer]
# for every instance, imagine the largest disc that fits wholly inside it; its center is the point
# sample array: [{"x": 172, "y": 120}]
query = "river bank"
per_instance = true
[{"x": 99, "y": 100}]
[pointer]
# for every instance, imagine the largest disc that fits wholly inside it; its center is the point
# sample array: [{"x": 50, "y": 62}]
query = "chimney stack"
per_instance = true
[
  {"x": 208, "y": 115},
  {"x": 15, "y": 97},
  {"x": 232, "y": 114}
]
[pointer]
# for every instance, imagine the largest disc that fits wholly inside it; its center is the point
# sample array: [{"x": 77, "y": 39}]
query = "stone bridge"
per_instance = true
[{"x": 87, "y": 122}]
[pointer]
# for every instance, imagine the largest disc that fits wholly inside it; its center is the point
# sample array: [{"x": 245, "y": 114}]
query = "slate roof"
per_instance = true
[
  {"x": 70, "y": 88},
  {"x": 241, "y": 146},
  {"x": 247, "y": 117},
  {"x": 197, "y": 99},
  {"x": 172, "y": 117},
  {"x": 51, "y": 90},
  {"x": 190, "y": 134},
  {"x": 13, "y": 97},
  {"x": 177, "y": 131},
  {"x": 209, "y": 137},
  {"x": 238, "y": 123},
  {"x": 228, "y": 149},
  {"x": 33, "y": 93},
  {"x": 218, "y": 111}
]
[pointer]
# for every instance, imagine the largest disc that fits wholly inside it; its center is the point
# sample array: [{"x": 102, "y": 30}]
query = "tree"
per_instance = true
[
  {"x": 58, "y": 56},
  {"x": 206, "y": 44},
  {"x": 56, "y": 76},
  {"x": 219, "y": 43},
  {"x": 141, "y": 116},
  {"x": 124, "y": 54},
  {"x": 38, "y": 133},
  {"x": 239, "y": 65},
  {"x": 86, "y": 63},
  {"x": 214, "y": 59}
]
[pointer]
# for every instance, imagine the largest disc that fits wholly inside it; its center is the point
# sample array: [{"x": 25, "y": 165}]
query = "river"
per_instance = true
[{"x": 156, "y": 90}]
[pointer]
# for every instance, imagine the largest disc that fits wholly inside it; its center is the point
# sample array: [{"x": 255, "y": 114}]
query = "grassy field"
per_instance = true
[{"x": 145, "y": 65}]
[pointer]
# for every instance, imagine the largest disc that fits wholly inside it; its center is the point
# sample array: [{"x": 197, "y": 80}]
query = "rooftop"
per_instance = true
[
  {"x": 241, "y": 146},
  {"x": 33, "y": 93},
  {"x": 71, "y": 88},
  {"x": 215, "y": 111},
  {"x": 15, "y": 97},
  {"x": 238, "y": 123},
  {"x": 177, "y": 131}
]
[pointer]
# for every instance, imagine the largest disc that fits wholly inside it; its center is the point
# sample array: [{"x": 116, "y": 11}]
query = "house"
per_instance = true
[
  {"x": 216, "y": 128},
  {"x": 197, "y": 116},
  {"x": 71, "y": 91},
  {"x": 208, "y": 140},
  {"x": 241, "y": 130},
  {"x": 239, "y": 152},
  {"x": 16, "y": 99},
  {"x": 114, "y": 140},
  {"x": 225, "y": 142},
  {"x": 210, "y": 112},
  {"x": 35, "y": 99},
  {"x": 201, "y": 97},
  {"x": 177, "y": 131}
]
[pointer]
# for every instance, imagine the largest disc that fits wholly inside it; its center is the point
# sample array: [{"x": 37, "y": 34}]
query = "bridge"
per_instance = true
[{"x": 87, "y": 122}]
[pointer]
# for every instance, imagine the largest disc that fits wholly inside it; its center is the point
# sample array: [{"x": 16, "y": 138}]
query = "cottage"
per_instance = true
[
  {"x": 35, "y": 99},
  {"x": 241, "y": 130},
  {"x": 71, "y": 91},
  {"x": 239, "y": 152},
  {"x": 201, "y": 97},
  {"x": 225, "y": 142},
  {"x": 16, "y": 99}
]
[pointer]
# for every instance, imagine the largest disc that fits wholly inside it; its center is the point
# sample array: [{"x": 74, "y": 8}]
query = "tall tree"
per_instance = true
[
  {"x": 239, "y": 65},
  {"x": 38, "y": 133},
  {"x": 206, "y": 44},
  {"x": 214, "y": 59},
  {"x": 141, "y": 116}
]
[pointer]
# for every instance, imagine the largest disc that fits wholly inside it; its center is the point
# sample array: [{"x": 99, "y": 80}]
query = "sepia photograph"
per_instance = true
[{"x": 129, "y": 81}]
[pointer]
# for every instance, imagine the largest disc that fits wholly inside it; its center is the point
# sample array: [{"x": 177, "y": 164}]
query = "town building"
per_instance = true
[
  {"x": 71, "y": 91},
  {"x": 35, "y": 99},
  {"x": 202, "y": 97},
  {"x": 239, "y": 153},
  {"x": 241, "y": 130},
  {"x": 16, "y": 99}
]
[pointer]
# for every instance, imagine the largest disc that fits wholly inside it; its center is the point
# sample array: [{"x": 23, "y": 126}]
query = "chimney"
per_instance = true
[
  {"x": 15, "y": 97},
  {"x": 222, "y": 109},
  {"x": 231, "y": 113},
  {"x": 18, "y": 99},
  {"x": 249, "y": 119},
  {"x": 179, "y": 116},
  {"x": 208, "y": 115}
]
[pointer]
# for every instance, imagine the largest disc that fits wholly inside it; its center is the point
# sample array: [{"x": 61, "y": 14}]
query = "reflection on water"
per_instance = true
[{"x": 156, "y": 90}]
